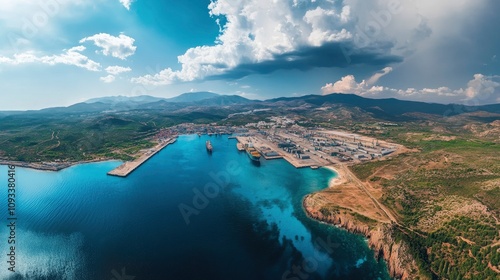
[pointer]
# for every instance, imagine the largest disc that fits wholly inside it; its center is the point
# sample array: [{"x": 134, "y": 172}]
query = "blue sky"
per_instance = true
[{"x": 60, "y": 52}]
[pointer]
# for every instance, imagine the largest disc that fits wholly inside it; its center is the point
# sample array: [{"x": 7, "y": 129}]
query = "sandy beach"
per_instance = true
[
  {"x": 344, "y": 192},
  {"x": 339, "y": 179}
]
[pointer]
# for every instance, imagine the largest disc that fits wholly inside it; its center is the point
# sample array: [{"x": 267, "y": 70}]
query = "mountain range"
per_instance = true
[{"x": 389, "y": 109}]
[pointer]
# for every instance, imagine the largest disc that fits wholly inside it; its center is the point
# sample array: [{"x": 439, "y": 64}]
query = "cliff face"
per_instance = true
[{"x": 400, "y": 263}]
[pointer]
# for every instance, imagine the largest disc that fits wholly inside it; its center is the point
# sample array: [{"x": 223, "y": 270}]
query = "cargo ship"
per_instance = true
[
  {"x": 240, "y": 147},
  {"x": 209, "y": 146},
  {"x": 252, "y": 152}
]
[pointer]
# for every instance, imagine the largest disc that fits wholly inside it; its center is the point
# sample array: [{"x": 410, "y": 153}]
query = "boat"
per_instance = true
[
  {"x": 209, "y": 146},
  {"x": 240, "y": 147},
  {"x": 252, "y": 153}
]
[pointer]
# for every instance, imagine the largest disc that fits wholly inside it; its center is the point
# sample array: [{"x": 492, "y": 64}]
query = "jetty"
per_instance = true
[{"x": 128, "y": 167}]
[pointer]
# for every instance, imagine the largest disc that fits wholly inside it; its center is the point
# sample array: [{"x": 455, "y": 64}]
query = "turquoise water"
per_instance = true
[{"x": 184, "y": 214}]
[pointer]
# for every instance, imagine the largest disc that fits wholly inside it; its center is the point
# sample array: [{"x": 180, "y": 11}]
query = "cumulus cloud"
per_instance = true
[
  {"x": 108, "y": 79},
  {"x": 482, "y": 87},
  {"x": 69, "y": 57},
  {"x": 116, "y": 70},
  {"x": 480, "y": 90},
  {"x": 126, "y": 3},
  {"x": 258, "y": 31},
  {"x": 348, "y": 84},
  {"x": 120, "y": 47},
  {"x": 261, "y": 36},
  {"x": 321, "y": 22}
]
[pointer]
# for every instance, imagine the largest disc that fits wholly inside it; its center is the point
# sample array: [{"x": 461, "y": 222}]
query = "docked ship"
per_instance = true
[
  {"x": 209, "y": 146},
  {"x": 240, "y": 147},
  {"x": 252, "y": 152}
]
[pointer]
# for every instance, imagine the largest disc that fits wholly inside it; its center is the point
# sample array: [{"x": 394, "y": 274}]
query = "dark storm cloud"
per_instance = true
[{"x": 339, "y": 55}]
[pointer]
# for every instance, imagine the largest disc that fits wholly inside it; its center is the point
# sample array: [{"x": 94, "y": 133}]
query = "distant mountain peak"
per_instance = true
[
  {"x": 193, "y": 96},
  {"x": 124, "y": 99}
]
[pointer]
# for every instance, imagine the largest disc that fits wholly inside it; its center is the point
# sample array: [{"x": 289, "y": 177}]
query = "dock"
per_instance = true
[
  {"x": 128, "y": 167},
  {"x": 264, "y": 147}
]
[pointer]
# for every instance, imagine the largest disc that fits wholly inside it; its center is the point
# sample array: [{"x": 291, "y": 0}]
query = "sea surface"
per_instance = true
[{"x": 184, "y": 214}]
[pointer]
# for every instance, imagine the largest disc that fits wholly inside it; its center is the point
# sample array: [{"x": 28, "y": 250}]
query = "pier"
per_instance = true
[{"x": 128, "y": 167}]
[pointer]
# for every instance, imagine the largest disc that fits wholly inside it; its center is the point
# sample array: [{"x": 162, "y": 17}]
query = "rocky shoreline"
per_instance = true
[{"x": 400, "y": 263}]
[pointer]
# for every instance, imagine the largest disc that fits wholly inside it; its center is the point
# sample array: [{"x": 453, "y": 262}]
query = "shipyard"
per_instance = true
[
  {"x": 279, "y": 138},
  {"x": 306, "y": 148}
]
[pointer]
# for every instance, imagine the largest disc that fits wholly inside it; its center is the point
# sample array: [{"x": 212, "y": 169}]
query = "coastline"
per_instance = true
[
  {"x": 339, "y": 179},
  {"x": 58, "y": 166},
  {"x": 379, "y": 234},
  {"x": 50, "y": 166}
]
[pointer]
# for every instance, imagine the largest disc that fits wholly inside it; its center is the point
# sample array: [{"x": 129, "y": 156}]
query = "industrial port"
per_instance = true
[
  {"x": 306, "y": 148},
  {"x": 299, "y": 146}
]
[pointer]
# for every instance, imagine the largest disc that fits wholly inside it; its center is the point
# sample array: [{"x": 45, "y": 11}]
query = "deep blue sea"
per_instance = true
[{"x": 184, "y": 214}]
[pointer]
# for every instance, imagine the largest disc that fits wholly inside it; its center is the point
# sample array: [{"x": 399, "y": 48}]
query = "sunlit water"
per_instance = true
[{"x": 240, "y": 221}]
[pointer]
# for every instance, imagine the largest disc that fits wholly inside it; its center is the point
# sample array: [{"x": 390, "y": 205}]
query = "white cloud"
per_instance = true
[
  {"x": 116, "y": 70},
  {"x": 322, "y": 21},
  {"x": 346, "y": 84},
  {"x": 126, "y": 3},
  {"x": 260, "y": 30},
  {"x": 69, "y": 57},
  {"x": 120, "y": 47},
  {"x": 480, "y": 90},
  {"x": 374, "y": 79},
  {"x": 108, "y": 79},
  {"x": 482, "y": 87},
  {"x": 257, "y": 31},
  {"x": 113, "y": 71}
]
